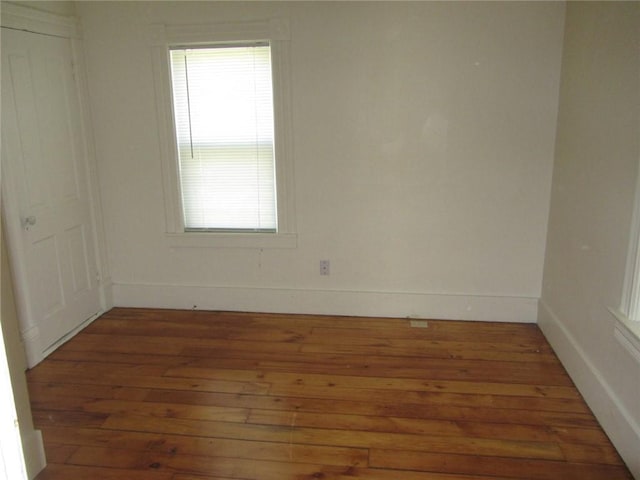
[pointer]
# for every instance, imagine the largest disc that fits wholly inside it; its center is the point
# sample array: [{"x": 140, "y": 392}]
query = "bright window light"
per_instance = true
[{"x": 223, "y": 110}]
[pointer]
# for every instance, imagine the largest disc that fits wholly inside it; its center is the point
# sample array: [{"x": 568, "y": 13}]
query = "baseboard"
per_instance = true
[
  {"x": 328, "y": 302},
  {"x": 34, "y": 455},
  {"x": 31, "y": 341},
  {"x": 615, "y": 419},
  {"x": 106, "y": 294},
  {"x": 32, "y": 348}
]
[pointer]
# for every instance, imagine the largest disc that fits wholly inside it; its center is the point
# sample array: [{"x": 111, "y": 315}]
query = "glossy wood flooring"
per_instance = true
[{"x": 190, "y": 395}]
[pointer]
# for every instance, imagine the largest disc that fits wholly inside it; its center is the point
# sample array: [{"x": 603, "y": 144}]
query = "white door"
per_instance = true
[{"x": 45, "y": 191}]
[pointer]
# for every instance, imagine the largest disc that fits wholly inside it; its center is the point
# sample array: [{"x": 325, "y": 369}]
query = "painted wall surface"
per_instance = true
[
  {"x": 31, "y": 438},
  {"x": 423, "y": 136},
  {"x": 58, "y": 7},
  {"x": 596, "y": 166}
]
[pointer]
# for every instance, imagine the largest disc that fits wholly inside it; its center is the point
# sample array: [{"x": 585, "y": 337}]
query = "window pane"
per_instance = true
[{"x": 223, "y": 104}]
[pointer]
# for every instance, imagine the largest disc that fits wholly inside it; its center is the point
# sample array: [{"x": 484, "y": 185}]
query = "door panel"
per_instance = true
[
  {"x": 48, "y": 289},
  {"x": 77, "y": 251},
  {"x": 19, "y": 74},
  {"x": 45, "y": 190}
]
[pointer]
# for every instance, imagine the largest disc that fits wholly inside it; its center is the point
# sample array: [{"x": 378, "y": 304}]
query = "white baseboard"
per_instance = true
[
  {"x": 614, "y": 418},
  {"x": 328, "y": 302},
  {"x": 32, "y": 348},
  {"x": 34, "y": 456},
  {"x": 106, "y": 294},
  {"x": 31, "y": 341}
]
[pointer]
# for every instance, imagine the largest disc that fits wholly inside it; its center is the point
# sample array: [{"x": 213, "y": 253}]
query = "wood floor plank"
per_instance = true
[
  {"x": 431, "y": 398},
  {"x": 324, "y": 436},
  {"x": 437, "y": 331},
  {"x": 531, "y": 469},
  {"x": 208, "y": 465},
  {"x": 167, "y": 345},
  {"x": 168, "y": 410},
  {"x": 203, "y": 331},
  {"x": 371, "y": 382},
  {"x": 181, "y": 476},
  {"x": 121, "y": 358},
  {"x": 566, "y": 421},
  {"x": 42, "y": 418},
  {"x": 108, "y": 374},
  {"x": 402, "y": 328},
  {"x": 416, "y": 426},
  {"x": 349, "y": 473},
  {"x": 418, "y": 348},
  {"x": 164, "y": 443},
  {"x": 56, "y": 471},
  {"x": 151, "y": 394},
  {"x": 47, "y": 393},
  {"x": 391, "y": 366}
]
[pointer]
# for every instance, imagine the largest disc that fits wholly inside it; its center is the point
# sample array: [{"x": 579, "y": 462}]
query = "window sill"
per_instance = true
[
  {"x": 232, "y": 240},
  {"x": 627, "y": 333}
]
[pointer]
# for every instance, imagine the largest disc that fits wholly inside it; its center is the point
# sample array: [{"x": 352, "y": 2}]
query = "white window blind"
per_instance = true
[{"x": 223, "y": 108}]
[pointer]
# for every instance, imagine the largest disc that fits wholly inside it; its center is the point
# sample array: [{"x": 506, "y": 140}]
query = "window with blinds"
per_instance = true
[{"x": 223, "y": 110}]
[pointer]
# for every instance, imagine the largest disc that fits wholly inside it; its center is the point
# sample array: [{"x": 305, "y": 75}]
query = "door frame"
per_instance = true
[{"x": 18, "y": 17}]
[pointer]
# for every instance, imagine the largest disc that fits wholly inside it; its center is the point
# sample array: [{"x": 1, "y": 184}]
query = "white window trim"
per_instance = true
[
  {"x": 627, "y": 328},
  {"x": 627, "y": 333},
  {"x": 160, "y": 37}
]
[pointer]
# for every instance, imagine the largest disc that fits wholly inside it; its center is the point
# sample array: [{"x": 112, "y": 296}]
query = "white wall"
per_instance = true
[
  {"x": 58, "y": 7},
  {"x": 423, "y": 140},
  {"x": 597, "y": 153}
]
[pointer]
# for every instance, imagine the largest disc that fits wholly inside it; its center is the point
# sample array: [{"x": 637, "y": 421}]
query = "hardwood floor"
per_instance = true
[{"x": 189, "y": 395}]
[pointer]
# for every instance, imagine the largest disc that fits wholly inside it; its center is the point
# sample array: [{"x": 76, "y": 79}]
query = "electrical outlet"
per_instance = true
[{"x": 324, "y": 267}]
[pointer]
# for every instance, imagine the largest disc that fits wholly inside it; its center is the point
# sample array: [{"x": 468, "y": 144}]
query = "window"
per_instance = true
[
  {"x": 223, "y": 111},
  {"x": 223, "y": 101},
  {"x": 627, "y": 330}
]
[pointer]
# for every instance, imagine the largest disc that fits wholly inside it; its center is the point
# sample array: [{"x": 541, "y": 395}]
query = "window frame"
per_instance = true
[
  {"x": 161, "y": 38},
  {"x": 627, "y": 315}
]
